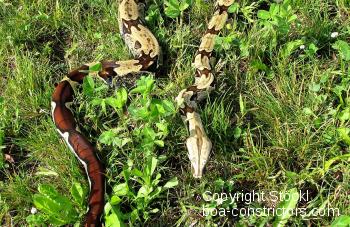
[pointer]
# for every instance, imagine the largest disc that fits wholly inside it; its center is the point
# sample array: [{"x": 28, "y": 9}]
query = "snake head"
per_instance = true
[{"x": 198, "y": 146}]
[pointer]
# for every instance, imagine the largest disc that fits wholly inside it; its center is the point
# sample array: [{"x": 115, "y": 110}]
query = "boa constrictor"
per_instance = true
[{"x": 146, "y": 50}]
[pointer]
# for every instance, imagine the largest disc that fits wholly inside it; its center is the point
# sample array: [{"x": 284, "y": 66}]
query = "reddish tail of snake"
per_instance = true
[{"x": 79, "y": 145}]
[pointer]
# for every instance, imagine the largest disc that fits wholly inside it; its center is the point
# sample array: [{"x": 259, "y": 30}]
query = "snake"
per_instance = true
[{"x": 146, "y": 50}]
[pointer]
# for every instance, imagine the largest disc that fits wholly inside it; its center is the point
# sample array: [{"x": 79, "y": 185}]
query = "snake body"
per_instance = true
[
  {"x": 146, "y": 50},
  {"x": 198, "y": 144}
]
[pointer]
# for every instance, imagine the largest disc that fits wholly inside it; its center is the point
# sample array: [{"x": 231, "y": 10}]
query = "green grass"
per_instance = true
[{"x": 274, "y": 117}]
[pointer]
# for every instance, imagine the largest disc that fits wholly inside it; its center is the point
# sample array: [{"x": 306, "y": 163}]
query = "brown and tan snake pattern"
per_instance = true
[{"x": 146, "y": 50}]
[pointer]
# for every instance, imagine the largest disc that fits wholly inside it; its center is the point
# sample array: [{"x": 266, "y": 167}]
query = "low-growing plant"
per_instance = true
[
  {"x": 153, "y": 15},
  {"x": 291, "y": 198},
  {"x": 277, "y": 21},
  {"x": 175, "y": 8},
  {"x": 155, "y": 20},
  {"x": 231, "y": 39},
  {"x": 55, "y": 208},
  {"x": 343, "y": 48},
  {"x": 341, "y": 91},
  {"x": 142, "y": 126},
  {"x": 139, "y": 189}
]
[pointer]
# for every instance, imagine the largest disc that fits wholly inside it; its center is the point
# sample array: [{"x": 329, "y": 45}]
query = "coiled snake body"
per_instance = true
[{"x": 145, "y": 48}]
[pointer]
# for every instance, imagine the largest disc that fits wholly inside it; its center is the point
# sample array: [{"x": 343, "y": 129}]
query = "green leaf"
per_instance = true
[
  {"x": 88, "y": 85},
  {"x": 95, "y": 68},
  {"x": 171, "y": 183},
  {"x": 97, "y": 101},
  {"x": 107, "y": 137},
  {"x": 237, "y": 132},
  {"x": 144, "y": 85},
  {"x": 114, "y": 137},
  {"x": 138, "y": 112},
  {"x": 46, "y": 204},
  {"x": 121, "y": 189},
  {"x": 244, "y": 48},
  {"x": 312, "y": 49},
  {"x": 171, "y": 12},
  {"x": 59, "y": 209},
  {"x": 156, "y": 108},
  {"x": 120, "y": 100},
  {"x": 113, "y": 102},
  {"x": 219, "y": 183},
  {"x": 274, "y": 9},
  {"x": 287, "y": 205},
  {"x": 184, "y": 6},
  {"x": 163, "y": 128},
  {"x": 123, "y": 142},
  {"x": 329, "y": 163},
  {"x": 2, "y": 160},
  {"x": 155, "y": 210},
  {"x": 151, "y": 166},
  {"x": 115, "y": 200},
  {"x": 159, "y": 143},
  {"x": 137, "y": 172},
  {"x": 113, "y": 220},
  {"x": 36, "y": 219},
  {"x": 263, "y": 14},
  {"x": 149, "y": 133},
  {"x": 169, "y": 107},
  {"x": 103, "y": 106},
  {"x": 47, "y": 190},
  {"x": 292, "y": 18},
  {"x": 345, "y": 114},
  {"x": 97, "y": 35},
  {"x": 259, "y": 65},
  {"x": 314, "y": 87},
  {"x": 233, "y": 8},
  {"x": 78, "y": 193},
  {"x": 155, "y": 192},
  {"x": 172, "y": 3},
  {"x": 143, "y": 191},
  {"x": 134, "y": 215},
  {"x": 289, "y": 48},
  {"x": 122, "y": 95},
  {"x": 172, "y": 8},
  {"x": 57, "y": 221},
  {"x": 344, "y": 135},
  {"x": 341, "y": 221},
  {"x": 308, "y": 111},
  {"x": 153, "y": 14},
  {"x": 343, "y": 48}
]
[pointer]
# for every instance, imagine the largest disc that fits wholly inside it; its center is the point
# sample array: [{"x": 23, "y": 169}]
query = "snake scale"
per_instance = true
[{"x": 146, "y": 51}]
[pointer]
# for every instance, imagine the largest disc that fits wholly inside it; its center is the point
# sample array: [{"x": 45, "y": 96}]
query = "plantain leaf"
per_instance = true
[
  {"x": 341, "y": 221},
  {"x": 287, "y": 205}
]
